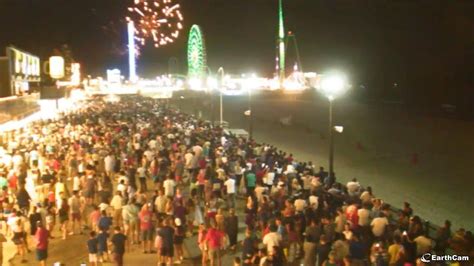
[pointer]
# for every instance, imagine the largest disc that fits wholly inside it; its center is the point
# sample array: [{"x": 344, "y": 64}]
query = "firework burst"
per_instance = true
[{"x": 157, "y": 20}]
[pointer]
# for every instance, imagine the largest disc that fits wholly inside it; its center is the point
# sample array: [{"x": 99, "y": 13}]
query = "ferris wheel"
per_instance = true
[{"x": 197, "y": 57}]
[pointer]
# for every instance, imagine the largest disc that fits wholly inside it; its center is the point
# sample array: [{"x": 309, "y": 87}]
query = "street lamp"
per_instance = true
[
  {"x": 250, "y": 84},
  {"x": 56, "y": 71},
  {"x": 212, "y": 84},
  {"x": 221, "y": 85},
  {"x": 332, "y": 86}
]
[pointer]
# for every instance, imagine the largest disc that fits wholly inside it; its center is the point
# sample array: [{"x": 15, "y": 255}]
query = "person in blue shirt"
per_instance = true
[
  {"x": 105, "y": 222},
  {"x": 103, "y": 253}
]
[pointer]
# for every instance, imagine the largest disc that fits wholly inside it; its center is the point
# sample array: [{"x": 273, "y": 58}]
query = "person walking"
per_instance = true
[
  {"x": 41, "y": 237},
  {"x": 215, "y": 242},
  {"x": 102, "y": 247},
  {"x": 117, "y": 203},
  {"x": 19, "y": 236},
  {"x": 232, "y": 228},
  {"x": 230, "y": 192},
  {"x": 130, "y": 220},
  {"x": 167, "y": 245},
  {"x": 63, "y": 214},
  {"x": 118, "y": 241},
  {"x": 146, "y": 227},
  {"x": 312, "y": 235},
  {"x": 251, "y": 180},
  {"x": 179, "y": 235},
  {"x": 92, "y": 247},
  {"x": 74, "y": 203}
]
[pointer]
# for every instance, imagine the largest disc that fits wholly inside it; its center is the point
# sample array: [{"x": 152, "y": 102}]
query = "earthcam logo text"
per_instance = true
[{"x": 433, "y": 257}]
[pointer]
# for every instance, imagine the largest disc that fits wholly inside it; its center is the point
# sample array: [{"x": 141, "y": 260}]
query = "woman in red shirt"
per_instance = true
[{"x": 215, "y": 242}]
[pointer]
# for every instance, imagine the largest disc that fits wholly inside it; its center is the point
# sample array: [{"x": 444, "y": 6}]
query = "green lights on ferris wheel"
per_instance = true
[{"x": 197, "y": 64}]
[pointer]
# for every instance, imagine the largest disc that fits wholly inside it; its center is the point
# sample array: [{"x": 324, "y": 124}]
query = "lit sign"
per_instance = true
[
  {"x": 76, "y": 73},
  {"x": 24, "y": 64},
  {"x": 113, "y": 76},
  {"x": 56, "y": 67}
]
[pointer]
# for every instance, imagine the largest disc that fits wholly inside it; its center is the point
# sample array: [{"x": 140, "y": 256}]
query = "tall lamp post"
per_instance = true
[
  {"x": 250, "y": 115},
  {"x": 212, "y": 84},
  {"x": 221, "y": 85},
  {"x": 250, "y": 84},
  {"x": 56, "y": 72},
  {"x": 332, "y": 86}
]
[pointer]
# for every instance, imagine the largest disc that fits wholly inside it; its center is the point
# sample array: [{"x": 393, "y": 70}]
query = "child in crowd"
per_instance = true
[{"x": 92, "y": 246}]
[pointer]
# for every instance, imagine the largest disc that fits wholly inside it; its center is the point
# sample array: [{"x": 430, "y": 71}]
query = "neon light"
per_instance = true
[
  {"x": 131, "y": 52},
  {"x": 281, "y": 43},
  {"x": 197, "y": 63}
]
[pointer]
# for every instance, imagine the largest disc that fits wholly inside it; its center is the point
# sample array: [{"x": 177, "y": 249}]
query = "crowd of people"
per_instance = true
[{"x": 136, "y": 173}]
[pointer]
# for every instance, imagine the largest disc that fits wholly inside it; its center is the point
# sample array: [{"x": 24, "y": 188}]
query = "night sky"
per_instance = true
[{"x": 424, "y": 46}]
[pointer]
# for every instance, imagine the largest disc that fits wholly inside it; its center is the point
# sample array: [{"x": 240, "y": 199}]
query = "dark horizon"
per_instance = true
[{"x": 426, "y": 48}]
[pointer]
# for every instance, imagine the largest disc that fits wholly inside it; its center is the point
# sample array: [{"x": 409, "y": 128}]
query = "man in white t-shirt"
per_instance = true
[
  {"x": 160, "y": 202},
  {"x": 230, "y": 188},
  {"x": 117, "y": 203},
  {"x": 306, "y": 183},
  {"x": 272, "y": 239},
  {"x": 353, "y": 187},
  {"x": 169, "y": 186},
  {"x": 109, "y": 164},
  {"x": 269, "y": 179},
  {"x": 313, "y": 202},
  {"x": 188, "y": 158},
  {"x": 149, "y": 155},
  {"x": 76, "y": 183},
  {"x": 423, "y": 245},
  {"x": 152, "y": 144},
  {"x": 122, "y": 187},
  {"x": 364, "y": 216},
  {"x": 378, "y": 226},
  {"x": 34, "y": 156},
  {"x": 300, "y": 204}
]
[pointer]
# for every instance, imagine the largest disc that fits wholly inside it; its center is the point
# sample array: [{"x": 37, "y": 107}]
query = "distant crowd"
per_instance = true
[{"x": 136, "y": 173}]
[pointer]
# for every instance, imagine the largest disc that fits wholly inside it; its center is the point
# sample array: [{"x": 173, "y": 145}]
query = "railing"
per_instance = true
[{"x": 15, "y": 108}]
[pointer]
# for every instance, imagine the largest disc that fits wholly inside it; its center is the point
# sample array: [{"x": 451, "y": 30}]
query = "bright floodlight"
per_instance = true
[
  {"x": 339, "y": 129},
  {"x": 333, "y": 86},
  {"x": 212, "y": 83},
  {"x": 195, "y": 84},
  {"x": 250, "y": 83}
]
